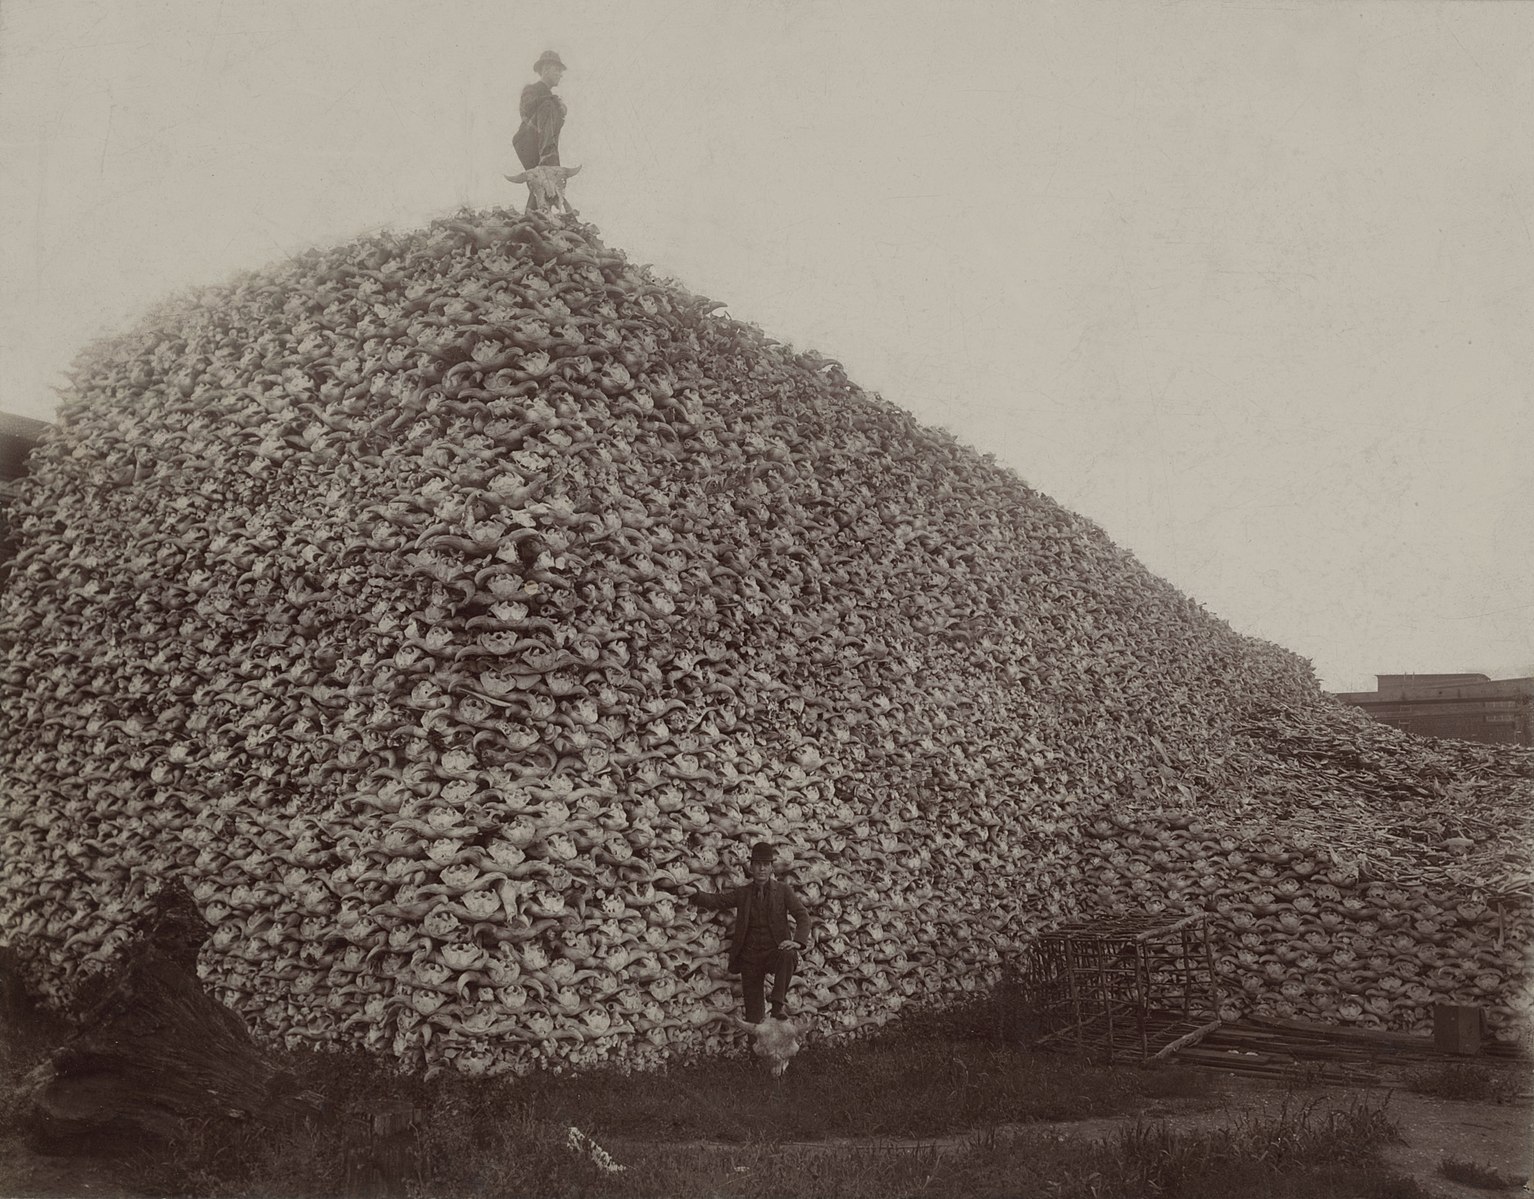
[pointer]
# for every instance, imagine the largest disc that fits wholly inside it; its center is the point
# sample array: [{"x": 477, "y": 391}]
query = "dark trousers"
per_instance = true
[
  {"x": 526, "y": 146},
  {"x": 755, "y": 966}
]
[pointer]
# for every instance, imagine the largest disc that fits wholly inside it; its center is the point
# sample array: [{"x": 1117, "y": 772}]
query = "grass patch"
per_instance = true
[
  {"x": 516, "y": 1154},
  {"x": 887, "y": 1086},
  {"x": 723, "y": 1127},
  {"x": 509, "y": 1134},
  {"x": 1297, "y": 1155},
  {"x": 1473, "y": 1174},
  {"x": 512, "y": 1136},
  {"x": 1460, "y": 1080}
]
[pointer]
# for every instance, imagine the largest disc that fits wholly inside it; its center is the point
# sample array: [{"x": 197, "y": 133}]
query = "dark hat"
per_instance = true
[
  {"x": 762, "y": 851},
  {"x": 549, "y": 58}
]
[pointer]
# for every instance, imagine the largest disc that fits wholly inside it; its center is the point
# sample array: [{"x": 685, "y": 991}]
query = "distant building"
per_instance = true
[{"x": 1469, "y": 707}]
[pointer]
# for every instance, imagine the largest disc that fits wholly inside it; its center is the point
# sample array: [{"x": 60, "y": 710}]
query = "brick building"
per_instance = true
[{"x": 1469, "y": 707}]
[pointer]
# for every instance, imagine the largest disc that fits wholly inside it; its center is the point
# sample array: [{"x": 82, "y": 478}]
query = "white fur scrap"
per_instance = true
[
  {"x": 581, "y": 1143},
  {"x": 776, "y": 1040}
]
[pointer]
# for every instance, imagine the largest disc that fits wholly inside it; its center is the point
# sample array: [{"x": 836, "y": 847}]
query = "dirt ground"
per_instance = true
[
  {"x": 1499, "y": 1136},
  {"x": 1495, "y": 1135}
]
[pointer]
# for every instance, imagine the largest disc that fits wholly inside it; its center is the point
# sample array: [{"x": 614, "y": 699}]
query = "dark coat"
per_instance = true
[
  {"x": 781, "y": 904},
  {"x": 543, "y": 116}
]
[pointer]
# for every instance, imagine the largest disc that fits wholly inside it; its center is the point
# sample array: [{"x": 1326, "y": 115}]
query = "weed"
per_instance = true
[
  {"x": 1473, "y": 1174},
  {"x": 1306, "y": 1076},
  {"x": 1296, "y": 1154},
  {"x": 1174, "y": 1082}
]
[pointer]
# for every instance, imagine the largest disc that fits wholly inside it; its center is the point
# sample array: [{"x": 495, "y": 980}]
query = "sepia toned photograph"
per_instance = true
[{"x": 675, "y": 600}]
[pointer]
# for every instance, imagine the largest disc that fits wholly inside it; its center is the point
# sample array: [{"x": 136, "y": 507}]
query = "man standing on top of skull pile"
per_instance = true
[
  {"x": 543, "y": 116},
  {"x": 759, "y": 943}
]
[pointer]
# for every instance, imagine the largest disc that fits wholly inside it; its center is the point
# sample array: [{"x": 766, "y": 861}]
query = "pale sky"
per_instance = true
[{"x": 1247, "y": 284}]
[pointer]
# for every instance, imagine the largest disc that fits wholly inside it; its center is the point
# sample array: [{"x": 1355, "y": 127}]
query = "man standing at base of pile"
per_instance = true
[
  {"x": 760, "y": 944},
  {"x": 543, "y": 116}
]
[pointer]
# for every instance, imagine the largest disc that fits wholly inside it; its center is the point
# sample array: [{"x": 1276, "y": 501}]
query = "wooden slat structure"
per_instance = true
[
  {"x": 1124, "y": 987},
  {"x": 1278, "y": 1048}
]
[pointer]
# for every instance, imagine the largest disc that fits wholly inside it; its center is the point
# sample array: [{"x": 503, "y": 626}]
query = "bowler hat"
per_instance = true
[
  {"x": 549, "y": 58},
  {"x": 762, "y": 851}
]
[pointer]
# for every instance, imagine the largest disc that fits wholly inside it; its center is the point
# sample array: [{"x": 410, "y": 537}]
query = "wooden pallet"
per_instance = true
[
  {"x": 1153, "y": 1036},
  {"x": 1265, "y": 1045}
]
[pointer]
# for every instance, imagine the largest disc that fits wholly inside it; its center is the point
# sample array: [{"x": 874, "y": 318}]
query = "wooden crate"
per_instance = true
[
  {"x": 1135, "y": 987},
  {"x": 1458, "y": 1028}
]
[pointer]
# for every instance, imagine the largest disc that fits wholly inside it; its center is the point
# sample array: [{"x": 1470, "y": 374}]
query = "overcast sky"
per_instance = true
[{"x": 1247, "y": 284}]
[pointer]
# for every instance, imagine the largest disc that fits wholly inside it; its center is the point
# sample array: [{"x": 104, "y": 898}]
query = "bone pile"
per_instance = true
[{"x": 439, "y": 604}]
